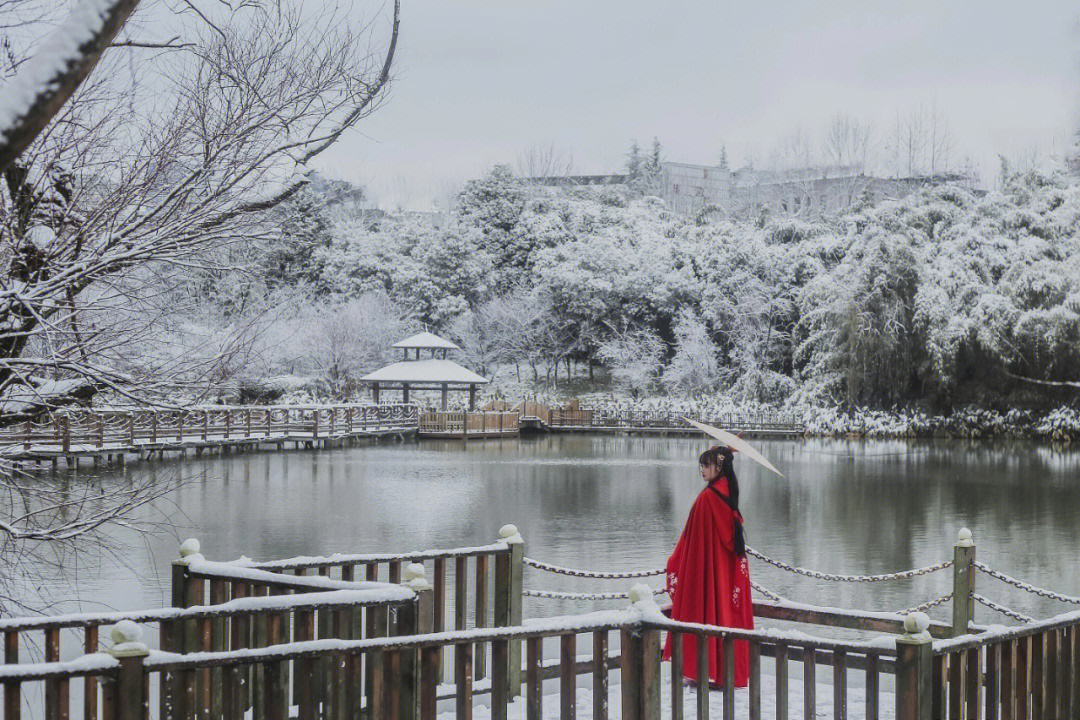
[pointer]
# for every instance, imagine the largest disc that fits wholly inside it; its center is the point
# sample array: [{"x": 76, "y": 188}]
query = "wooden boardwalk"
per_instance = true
[{"x": 113, "y": 434}]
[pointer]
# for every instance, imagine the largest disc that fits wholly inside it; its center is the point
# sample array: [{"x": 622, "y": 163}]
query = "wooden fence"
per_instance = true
[
  {"x": 1031, "y": 671},
  {"x": 468, "y": 424},
  {"x": 219, "y": 607}
]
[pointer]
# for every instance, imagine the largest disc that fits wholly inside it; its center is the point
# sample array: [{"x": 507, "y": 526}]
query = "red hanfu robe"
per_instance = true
[{"x": 709, "y": 584}]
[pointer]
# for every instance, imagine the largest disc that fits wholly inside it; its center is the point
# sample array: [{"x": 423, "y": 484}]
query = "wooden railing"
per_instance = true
[
  {"x": 663, "y": 420},
  {"x": 305, "y": 634},
  {"x": 400, "y": 676},
  {"x": 220, "y": 607},
  {"x": 479, "y": 586},
  {"x": 1031, "y": 671},
  {"x": 133, "y": 428},
  {"x": 457, "y": 424}
]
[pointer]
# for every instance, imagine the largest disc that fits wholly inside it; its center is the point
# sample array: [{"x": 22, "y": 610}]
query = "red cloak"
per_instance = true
[{"x": 709, "y": 584}]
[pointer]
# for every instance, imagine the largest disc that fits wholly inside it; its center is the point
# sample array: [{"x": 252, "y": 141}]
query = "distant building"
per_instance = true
[{"x": 808, "y": 192}]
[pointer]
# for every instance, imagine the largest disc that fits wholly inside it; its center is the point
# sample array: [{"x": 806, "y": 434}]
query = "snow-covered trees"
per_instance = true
[
  {"x": 634, "y": 358},
  {"x": 438, "y": 273},
  {"x": 943, "y": 298},
  {"x": 154, "y": 163},
  {"x": 694, "y": 368}
]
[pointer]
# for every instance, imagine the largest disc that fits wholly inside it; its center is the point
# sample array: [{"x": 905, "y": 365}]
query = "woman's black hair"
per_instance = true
[{"x": 722, "y": 457}]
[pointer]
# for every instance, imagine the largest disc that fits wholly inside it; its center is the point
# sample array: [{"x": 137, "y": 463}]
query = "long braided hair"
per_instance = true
[{"x": 723, "y": 458}]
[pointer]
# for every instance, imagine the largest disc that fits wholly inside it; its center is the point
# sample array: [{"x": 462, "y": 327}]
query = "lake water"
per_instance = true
[{"x": 616, "y": 502}]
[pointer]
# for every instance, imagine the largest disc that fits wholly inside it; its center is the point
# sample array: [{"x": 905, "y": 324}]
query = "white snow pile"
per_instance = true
[{"x": 43, "y": 393}]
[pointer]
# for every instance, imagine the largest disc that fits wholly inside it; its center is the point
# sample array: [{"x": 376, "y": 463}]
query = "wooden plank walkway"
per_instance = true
[{"x": 113, "y": 434}]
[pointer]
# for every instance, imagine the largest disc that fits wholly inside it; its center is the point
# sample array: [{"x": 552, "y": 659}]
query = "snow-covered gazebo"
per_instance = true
[{"x": 436, "y": 372}]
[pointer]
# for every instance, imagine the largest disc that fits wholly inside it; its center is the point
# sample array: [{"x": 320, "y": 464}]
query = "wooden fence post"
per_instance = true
[
  {"x": 128, "y": 648},
  {"x": 66, "y": 420},
  {"x": 418, "y": 620},
  {"x": 183, "y": 635},
  {"x": 914, "y": 665},
  {"x": 508, "y": 594},
  {"x": 963, "y": 604},
  {"x": 641, "y": 661}
]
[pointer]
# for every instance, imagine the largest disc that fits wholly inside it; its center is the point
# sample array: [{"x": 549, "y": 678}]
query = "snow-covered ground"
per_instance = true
[{"x": 856, "y": 698}]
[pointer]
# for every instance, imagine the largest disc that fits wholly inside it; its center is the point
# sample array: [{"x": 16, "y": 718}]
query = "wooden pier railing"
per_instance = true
[
  {"x": 134, "y": 430},
  {"x": 219, "y": 607}
]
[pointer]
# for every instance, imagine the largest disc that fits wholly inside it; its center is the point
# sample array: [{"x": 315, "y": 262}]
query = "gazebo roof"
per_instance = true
[
  {"x": 426, "y": 341},
  {"x": 425, "y": 371}
]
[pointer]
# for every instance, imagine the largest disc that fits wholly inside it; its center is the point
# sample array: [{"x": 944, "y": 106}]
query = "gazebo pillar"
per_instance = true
[
  {"x": 472, "y": 397},
  {"x": 375, "y": 393},
  {"x": 404, "y": 392},
  {"x": 444, "y": 397}
]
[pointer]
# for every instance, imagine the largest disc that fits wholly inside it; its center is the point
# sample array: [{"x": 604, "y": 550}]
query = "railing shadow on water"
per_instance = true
[{"x": 307, "y": 637}]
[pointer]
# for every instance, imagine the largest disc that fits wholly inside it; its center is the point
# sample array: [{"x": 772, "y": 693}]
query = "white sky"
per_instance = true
[{"x": 481, "y": 81}]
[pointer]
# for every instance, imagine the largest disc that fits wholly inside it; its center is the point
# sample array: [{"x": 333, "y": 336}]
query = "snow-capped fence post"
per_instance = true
[
  {"x": 128, "y": 648},
  {"x": 963, "y": 601},
  {"x": 640, "y": 663},
  {"x": 414, "y": 619},
  {"x": 184, "y": 590},
  {"x": 508, "y": 594},
  {"x": 914, "y": 664}
]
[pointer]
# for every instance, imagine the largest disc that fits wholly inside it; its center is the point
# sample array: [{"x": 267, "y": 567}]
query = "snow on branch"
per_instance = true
[{"x": 45, "y": 82}]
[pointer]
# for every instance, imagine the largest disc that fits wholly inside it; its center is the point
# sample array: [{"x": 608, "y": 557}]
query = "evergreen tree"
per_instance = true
[
  {"x": 303, "y": 228},
  {"x": 634, "y": 161}
]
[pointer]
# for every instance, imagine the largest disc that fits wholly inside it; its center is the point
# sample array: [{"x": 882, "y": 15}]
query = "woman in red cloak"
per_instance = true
[{"x": 708, "y": 578}]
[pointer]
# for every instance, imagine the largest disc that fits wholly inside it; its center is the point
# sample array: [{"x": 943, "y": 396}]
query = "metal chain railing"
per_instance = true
[
  {"x": 982, "y": 600},
  {"x": 1026, "y": 587},
  {"x": 902, "y": 575},
  {"x": 927, "y": 605},
  {"x": 767, "y": 593},
  {"x": 597, "y": 575},
  {"x": 559, "y": 595}
]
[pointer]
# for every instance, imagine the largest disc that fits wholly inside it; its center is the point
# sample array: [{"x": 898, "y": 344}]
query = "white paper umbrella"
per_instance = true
[{"x": 735, "y": 443}]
